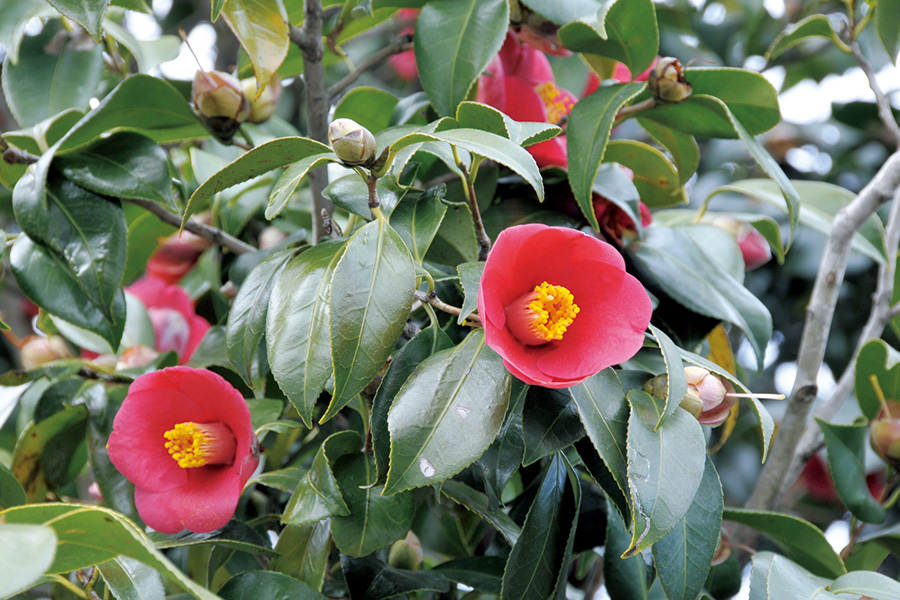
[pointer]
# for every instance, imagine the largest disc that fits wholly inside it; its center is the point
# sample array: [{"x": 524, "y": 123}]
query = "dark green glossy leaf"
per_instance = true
[
  {"x": 26, "y": 552},
  {"x": 624, "y": 30},
  {"x": 287, "y": 184},
  {"x": 470, "y": 279},
  {"x": 887, "y": 22},
  {"x": 536, "y": 566},
  {"x": 504, "y": 456},
  {"x": 297, "y": 333},
  {"x": 129, "y": 579},
  {"x": 590, "y": 122},
  {"x": 480, "y": 505},
  {"x": 418, "y": 218},
  {"x": 303, "y": 553},
  {"x": 368, "y": 106},
  {"x": 262, "y": 29},
  {"x": 563, "y": 12},
  {"x": 449, "y": 63},
  {"x": 124, "y": 165},
  {"x": 846, "y": 461},
  {"x": 483, "y": 573},
  {"x": 474, "y": 115},
  {"x": 460, "y": 393},
  {"x": 266, "y": 584},
  {"x": 655, "y": 177},
  {"x": 683, "y": 147},
  {"x": 455, "y": 240},
  {"x": 676, "y": 384},
  {"x": 352, "y": 194},
  {"x": 370, "y": 579},
  {"x": 425, "y": 343},
  {"x": 550, "y": 423},
  {"x": 234, "y": 534},
  {"x": 811, "y": 26},
  {"x": 11, "y": 491},
  {"x": 247, "y": 319},
  {"x": 683, "y": 556},
  {"x": 665, "y": 467},
  {"x": 800, "y": 540},
  {"x": 374, "y": 520},
  {"x": 87, "y": 13},
  {"x": 371, "y": 294},
  {"x": 286, "y": 479},
  {"x": 625, "y": 577},
  {"x": 775, "y": 577}
]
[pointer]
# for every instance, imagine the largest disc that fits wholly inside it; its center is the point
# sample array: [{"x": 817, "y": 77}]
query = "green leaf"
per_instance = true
[
  {"x": 247, "y": 318},
  {"x": 654, "y": 176},
  {"x": 124, "y": 165},
  {"x": 775, "y": 577},
  {"x": 866, "y": 583},
  {"x": 371, "y": 294},
  {"x": 681, "y": 146},
  {"x": 11, "y": 491},
  {"x": 352, "y": 194},
  {"x": 418, "y": 217},
  {"x": 676, "y": 385},
  {"x": 425, "y": 343},
  {"x": 811, "y": 26},
  {"x": 459, "y": 393},
  {"x": 846, "y": 461},
  {"x": 262, "y": 29},
  {"x": 455, "y": 240},
  {"x": 479, "y": 504},
  {"x": 148, "y": 54},
  {"x": 368, "y": 106},
  {"x": 820, "y": 203},
  {"x": 625, "y": 577},
  {"x": 701, "y": 284},
  {"x": 590, "y": 122},
  {"x": 26, "y": 552},
  {"x": 549, "y": 423},
  {"x": 625, "y": 30},
  {"x": 474, "y": 115},
  {"x": 879, "y": 361},
  {"x": 887, "y": 23},
  {"x": 449, "y": 63},
  {"x": 536, "y": 568},
  {"x": 470, "y": 279},
  {"x": 374, "y": 520},
  {"x": 45, "y": 83},
  {"x": 264, "y": 584},
  {"x": 504, "y": 456},
  {"x": 298, "y": 337},
  {"x": 287, "y": 184},
  {"x": 665, "y": 467},
  {"x": 79, "y": 527},
  {"x": 370, "y": 579},
  {"x": 14, "y": 18},
  {"x": 483, "y": 573},
  {"x": 87, "y": 13},
  {"x": 604, "y": 413},
  {"x": 800, "y": 540},
  {"x": 235, "y": 535},
  {"x": 683, "y": 556},
  {"x": 129, "y": 579},
  {"x": 303, "y": 552}
]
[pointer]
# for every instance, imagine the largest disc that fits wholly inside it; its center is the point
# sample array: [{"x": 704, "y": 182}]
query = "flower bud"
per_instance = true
[
  {"x": 38, "y": 350},
  {"x": 353, "y": 143},
  {"x": 885, "y": 432},
  {"x": 219, "y": 102},
  {"x": 262, "y": 107},
  {"x": 666, "y": 81},
  {"x": 270, "y": 237},
  {"x": 706, "y": 398},
  {"x": 406, "y": 553},
  {"x": 136, "y": 357},
  {"x": 754, "y": 248}
]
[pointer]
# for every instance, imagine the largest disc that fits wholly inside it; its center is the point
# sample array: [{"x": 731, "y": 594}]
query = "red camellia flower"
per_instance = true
[
  {"x": 176, "y": 325},
  {"x": 183, "y": 437},
  {"x": 404, "y": 63},
  {"x": 557, "y": 305}
]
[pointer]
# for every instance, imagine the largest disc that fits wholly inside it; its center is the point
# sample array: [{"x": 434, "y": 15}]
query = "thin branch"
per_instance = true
[
  {"x": 468, "y": 182},
  {"x": 401, "y": 44},
  {"x": 432, "y": 299},
  {"x": 16, "y": 156},
  {"x": 216, "y": 236},
  {"x": 816, "y": 328},
  {"x": 885, "y": 113}
]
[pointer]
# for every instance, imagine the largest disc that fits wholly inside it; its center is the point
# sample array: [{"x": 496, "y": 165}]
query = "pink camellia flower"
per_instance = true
[
  {"x": 621, "y": 74},
  {"x": 183, "y": 437},
  {"x": 520, "y": 83},
  {"x": 175, "y": 324},
  {"x": 404, "y": 63},
  {"x": 557, "y": 305}
]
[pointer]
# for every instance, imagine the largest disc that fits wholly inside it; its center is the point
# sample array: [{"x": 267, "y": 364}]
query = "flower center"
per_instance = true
[
  {"x": 200, "y": 444},
  {"x": 557, "y": 104},
  {"x": 542, "y": 315}
]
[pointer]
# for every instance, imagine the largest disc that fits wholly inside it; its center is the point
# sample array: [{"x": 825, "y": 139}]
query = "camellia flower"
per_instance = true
[
  {"x": 175, "y": 324},
  {"x": 183, "y": 437},
  {"x": 754, "y": 248},
  {"x": 404, "y": 63},
  {"x": 557, "y": 305}
]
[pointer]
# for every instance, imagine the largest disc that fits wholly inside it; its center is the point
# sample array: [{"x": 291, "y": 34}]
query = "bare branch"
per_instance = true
[
  {"x": 432, "y": 299},
  {"x": 885, "y": 113},
  {"x": 401, "y": 44}
]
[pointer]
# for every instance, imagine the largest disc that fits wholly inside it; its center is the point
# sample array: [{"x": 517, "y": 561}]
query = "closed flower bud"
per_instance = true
[
  {"x": 262, "y": 107},
  {"x": 219, "y": 102},
  {"x": 885, "y": 432},
  {"x": 708, "y": 396},
  {"x": 353, "y": 143},
  {"x": 38, "y": 350},
  {"x": 406, "y": 553},
  {"x": 136, "y": 357},
  {"x": 666, "y": 81}
]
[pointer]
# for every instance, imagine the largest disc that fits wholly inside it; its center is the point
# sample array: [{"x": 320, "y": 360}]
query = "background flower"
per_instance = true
[{"x": 175, "y": 324}]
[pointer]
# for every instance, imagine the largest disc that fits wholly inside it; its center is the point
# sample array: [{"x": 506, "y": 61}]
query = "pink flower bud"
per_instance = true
[
  {"x": 666, "y": 81},
  {"x": 38, "y": 350},
  {"x": 219, "y": 102},
  {"x": 136, "y": 357},
  {"x": 885, "y": 432},
  {"x": 706, "y": 398},
  {"x": 353, "y": 143},
  {"x": 262, "y": 107},
  {"x": 754, "y": 248}
]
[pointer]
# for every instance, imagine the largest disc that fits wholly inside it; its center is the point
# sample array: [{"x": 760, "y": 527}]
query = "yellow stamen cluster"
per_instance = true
[
  {"x": 542, "y": 315},
  {"x": 557, "y": 104},
  {"x": 199, "y": 444}
]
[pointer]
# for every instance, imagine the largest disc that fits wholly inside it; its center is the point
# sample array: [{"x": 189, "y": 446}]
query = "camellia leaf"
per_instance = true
[
  {"x": 369, "y": 578},
  {"x": 303, "y": 552},
  {"x": 800, "y": 540},
  {"x": 14, "y": 18},
  {"x": 235, "y": 534},
  {"x": 474, "y": 115},
  {"x": 449, "y": 63},
  {"x": 590, "y": 122},
  {"x": 265, "y": 584},
  {"x": 676, "y": 384},
  {"x": 26, "y": 552},
  {"x": 479, "y": 504},
  {"x": 665, "y": 467},
  {"x": 371, "y": 294},
  {"x": 504, "y": 456},
  {"x": 483, "y": 573},
  {"x": 625, "y": 30},
  {"x": 148, "y": 54},
  {"x": 654, "y": 176},
  {"x": 262, "y": 29},
  {"x": 846, "y": 463},
  {"x": 298, "y": 337},
  {"x": 87, "y": 13},
  {"x": 811, "y": 26},
  {"x": 876, "y": 361},
  {"x": 11, "y": 491},
  {"x": 352, "y": 194},
  {"x": 683, "y": 556},
  {"x": 247, "y": 318},
  {"x": 287, "y": 184},
  {"x": 775, "y": 577},
  {"x": 460, "y": 393},
  {"x": 129, "y": 579},
  {"x": 887, "y": 22},
  {"x": 368, "y": 106},
  {"x": 626, "y": 577},
  {"x": 536, "y": 566},
  {"x": 683, "y": 147},
  {"x": 866, "y": 583},
  {"x": 470, "y": 279},
  {"x": 549, "y": 423},
  {"x": 417, "y": 219}
]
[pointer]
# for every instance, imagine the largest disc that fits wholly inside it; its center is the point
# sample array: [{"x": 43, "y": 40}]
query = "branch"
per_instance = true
[
  {"x": 309, "y": 40},
  {"x": 432, "y": 299},
  {"x": 816, "y": 327},
  {"x": 16, "y": 156},
  {"x": 216, "y": 236},
  {"x": 401, "y": 44},
  {"x": 885, "y": 113}
]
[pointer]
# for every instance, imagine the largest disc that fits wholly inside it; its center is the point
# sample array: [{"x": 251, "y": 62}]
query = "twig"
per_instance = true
[
  {"x": 432, "y": 299},
  {"x": 627, "y": 111},
  {"x": 16, "y": 156},
  {"x": 816, "y": 327},
  {"x": 401, "y": 44},
  {"x": 884, "y": 105},
  {"x": 216, "y": 236},
  {"x": 309, "y": 40},
  {"x": 468, "y": 181}
]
